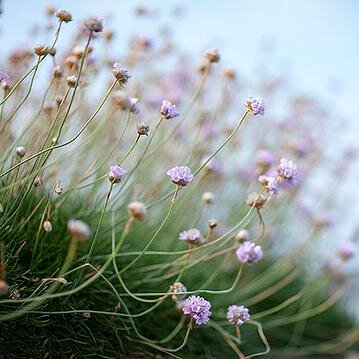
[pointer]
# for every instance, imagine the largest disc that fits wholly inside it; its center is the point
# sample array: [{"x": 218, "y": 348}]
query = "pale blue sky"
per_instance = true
[{"x": 316, "y": 41}]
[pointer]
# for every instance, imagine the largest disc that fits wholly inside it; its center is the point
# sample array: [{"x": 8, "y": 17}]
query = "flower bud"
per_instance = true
[
  {"x": 20, "y": 151},
  {"x": 47, "y": 226},
  {"x": 208, "y": 197},
  {"x": 3, "y": 286},
  {"x": 242, "y": 235},
  {"x": 175, "y": 288},
  {"x": 212, "y": 223},
  {"x": 38, "y": 182}
]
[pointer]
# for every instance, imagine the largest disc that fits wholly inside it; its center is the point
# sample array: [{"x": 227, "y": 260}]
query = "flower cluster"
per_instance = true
[
  {"x": 192, "y": 236},
  {"x": 168, "y": 110},
  {"x": 237, "y": 315},
  {"x": 180, "y": 175},
  {"x": 198, "y": 309},
  {"x": 249, "y": 252}
]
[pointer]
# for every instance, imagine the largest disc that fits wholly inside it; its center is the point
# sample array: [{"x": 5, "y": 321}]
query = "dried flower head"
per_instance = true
[
  {"x": 208, "y": 197},
  {"x": 41, "y": 50},
  {"x": 58, "y": 72},
  {"x": 137, "y": 210},
  {"x": 255, "y": 200},
  {"x": 47, "y": 226},
  {"x": 78, "y": 229},
  {"x": 59, "y": 187},
  {"x": 287, "y": 172},
  {"x": 229, "y": 73},
  {"x": 116, "y": 173},
  {"x": 63, "y": 15},
  {"x": 346, "y": 250},
  {"x": 249, "y": 252},
  {"x": 176, "y": 288},
  {"x": 93, "y": 24},
  {"x": 198, "y": 309},
  {"x": 143, "y": 129},
  {"x": 237, "y": 315},
  {"x": 180, "y": 175},
  {"x": 168, "y": 110},
  {"x": 255, "y": 105},
  {"x": 192, "y": 236},
  {"x": 71, "y": 81},
  {"x": 212, "y": 55},
  {"x": 20, "y": 151},
  {"x": 38, "y": 181},
  {"x": 120, "y": 73}
]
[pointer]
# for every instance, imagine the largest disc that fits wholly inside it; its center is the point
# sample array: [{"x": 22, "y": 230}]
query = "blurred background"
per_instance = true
[{"x": 311, "y": 45}]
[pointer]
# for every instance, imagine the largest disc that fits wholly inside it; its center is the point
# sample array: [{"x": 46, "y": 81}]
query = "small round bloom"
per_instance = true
[
  {"x": 287, "y": 171},
  {"x": 208, "y": 197},
  {"x": 78, "y": 229},
  {"x": 192, "y": 236},
  {"x": 63, "y": 15},
  {"x": 93, "y": 24},
  {"x": 269, "y": 184},
  {"x": 249, "y": 252},
  {"x": 137, "y": 210},
  {"x": 197, "y": 308},
  {"x": 121, "y": 73},
  {"x": 237, "y": 315},
  {"x": 47, "y": 225},
  {"x": 168, "y": 110},
  {"x": 346, "y": 250},
  {"x": 176, "y": 288},
  {"x": 255, "y": 105},
  {"x": 180, "y": 175},
  {"x": 242, "y": 235},
  {"x": 20, "y": 151},
  {"x": 116, "y": 173},
  {"x": 212, "y": 55},
  {"x": 143, "y": 129}
]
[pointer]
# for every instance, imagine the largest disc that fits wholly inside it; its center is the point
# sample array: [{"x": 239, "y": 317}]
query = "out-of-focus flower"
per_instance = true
[
  {"x": 78, "y": 229},
  {"x": 192, "y": 236},
  {"x": 63, "y": 15},
  {"x": 4, "y": 76},
  {"x": 265, "y": 159},
  {"x": 237, "y": 314},
  {"x": 137, "y": 210},
  {"x": 255, "y": 105},
  {"x": 287, "y": 171},
  {"x": 180, "y": 175},
  {"x": 269, "y": 184},
  {"x": 198, "y": 309},
  {"x": 212, "y": 55},
  {"x": 346, "y": 250},
  {"x": 168, "y": 110},
  {"x": 256, "y": 200},
  {"x": 116, "y": 173},
  {"x": 176, "y": 288},
  {"x": 3, "y": 286},
  {"x": 249, "y": 252},
  {"x": 213, "y": 166},
  {"x": 242, "y": 235},
  {"x": 208, "y": 197},
  {"x": 120, "y": 73},
  {"x": 47, "y": 225},
  {"x": 133, "y": 105},
  {"x": 93, "y": 24}
]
